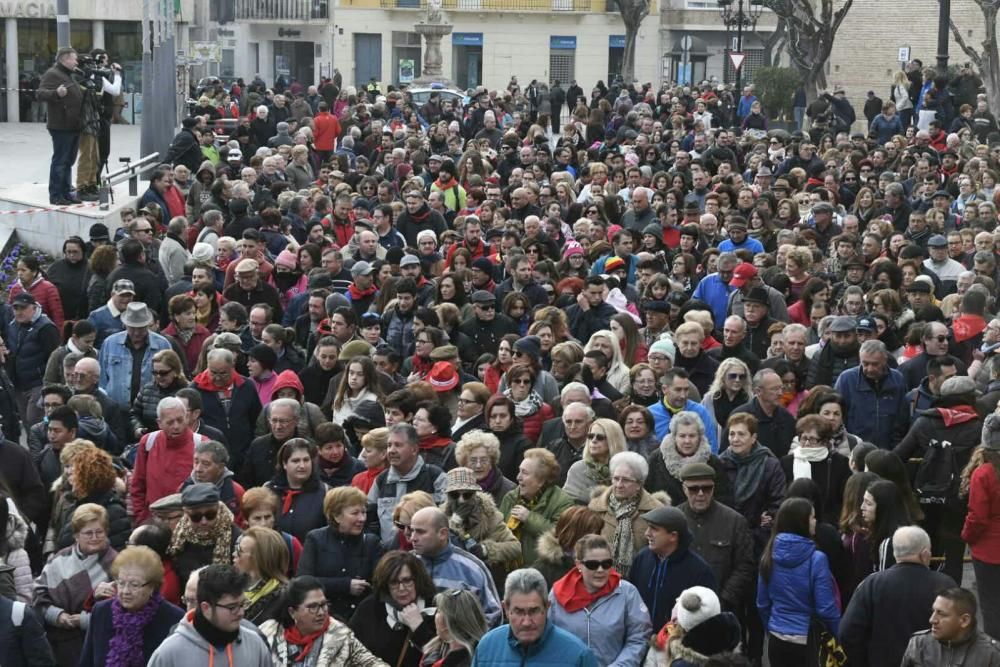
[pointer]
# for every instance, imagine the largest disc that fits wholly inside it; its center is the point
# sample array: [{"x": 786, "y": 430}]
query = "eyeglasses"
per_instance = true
[
  {"x": 699, "y": 489},
  {"x": 624, "y": 480},
  {"x": 477, "y": 461},
  {"x": 736, "y": 376},
  {"x": 402, "y": 582},
  {"x": 161, "y": 374},
  {"x": 235, "y": 607},
  {"x": 93, "y": 534},
  {"x": 809, "y": 440},
  {"x": 206, "y": 515},
  {"x": 464, "y": 495},
  {"x": 522, "y": 381},
  {"x": 281, "y": 422},
  {"x": 597, "y": 436},
  {"x": 317, "y": 607},
  {"x": 130, "y": 585},
  {"x": 605, "y": 564}
]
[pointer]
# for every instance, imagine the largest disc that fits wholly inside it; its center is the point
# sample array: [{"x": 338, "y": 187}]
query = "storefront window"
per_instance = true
[
  {"x": 81, "y": 35},
  {"x": 36, "y": 45},
  {"x": 123, "y": 42}
]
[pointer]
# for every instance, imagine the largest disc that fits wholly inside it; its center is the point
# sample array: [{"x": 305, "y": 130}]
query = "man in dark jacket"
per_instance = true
[
  {"x": 229, "y": 402},
  {"x": 185, "y": 148},
  {"x": 839, "y": 353},
  {"x": 64, "y": 102},
  {"x": 776, "y": 425},
  {"x": 557, "y": 97},
  {"x": 249, "y": 289},
  {"x": 891, "y": 605},
  {"x": 148, "y": 286},
  {"x": 521, "y": 280},
  {"x": 721, "y": 536},
  {"x": 934, "y": 339},
  {"x": 258, "y": 467},
  {"x": 874, "y": 397},
  {"x": 486, "y": 327},
  {"x": 31, "y": 337},
  {"x": 417, "y": 217},
  {"x": 665, "y": 568},
  {"x": 590, "y": 313},
  {"x": 953, "y": 419},
  {"x": 22, "y": 636},
  {"x": 734, "y": 332}
]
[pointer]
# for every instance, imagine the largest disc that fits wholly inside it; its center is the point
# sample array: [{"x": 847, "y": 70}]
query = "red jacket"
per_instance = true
[
  {"x": 47, "y": 296},
  {"x": 175, "y": 203},
  {"x": 533, "y": 425},
  {"x": 193, "y": 347},
  {"x": 170, "y": 462},
  {"x": 326, "y": 129},
  {"x": 982, "y": 524}
]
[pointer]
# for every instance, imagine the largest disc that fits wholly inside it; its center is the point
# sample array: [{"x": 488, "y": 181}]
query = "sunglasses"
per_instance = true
[
  {"x": 486, "y": 306},
  {"x": 605, "y": 564},
  {"x": 524, "y": 381},
  {"x": 464, "y": 495},
  {"x": 401, "y": 527},
  {"x": 941, "y": 339},
  {"x": 736, "y": 376},
  {"x": 207, "y": 515},
  {"x": 597, "y": 436},
  {"x": 698, "y": 489}
]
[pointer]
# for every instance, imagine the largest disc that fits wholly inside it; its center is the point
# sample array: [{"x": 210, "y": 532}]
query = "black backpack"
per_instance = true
[{"x": 938, "y": 476}]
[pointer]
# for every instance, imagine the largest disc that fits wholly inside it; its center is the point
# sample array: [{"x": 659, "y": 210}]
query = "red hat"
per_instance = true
[
  {"x": 742, "y": 273},
  {"x": 443, "y": 376}
]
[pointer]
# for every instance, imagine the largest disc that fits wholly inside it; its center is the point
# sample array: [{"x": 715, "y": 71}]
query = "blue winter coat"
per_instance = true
[
  {"x": 880, "y": 419},
  {"x": 800, "y": 587},
  {"x": 556, "y": 648},
  {"x": 101, "y": 630},
  {"x": 661, "y": 581}
]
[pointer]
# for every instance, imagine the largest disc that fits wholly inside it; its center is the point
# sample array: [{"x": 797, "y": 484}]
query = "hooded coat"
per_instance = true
[
  {"x": 186, "y": 647},
  {"x": 484, "y": 533},
  {"x": 309, "y": 418},
  {"x": 13, "y": 555},
  {"x": 799, "y": 589},
  {"x": 696, "y": 646}
]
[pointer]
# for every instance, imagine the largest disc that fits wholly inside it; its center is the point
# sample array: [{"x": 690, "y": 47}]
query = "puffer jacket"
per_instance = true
[
  {"x": 12, "y": 554},
  {"x": 28, "y": 349},
  {"x": 335, "y": 559},
  {"x": 304, "y": 511},
  {"x": 47, "y": 296},
  {"x": 337, "y": 648},
  {"x": 614, "y": 627},
  {"x": 143, "y": 414},
  {"x": 799, "y": 588}
]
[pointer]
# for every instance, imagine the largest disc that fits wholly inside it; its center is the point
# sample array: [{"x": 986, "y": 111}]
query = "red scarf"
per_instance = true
[
  {"x": 434, "y": 442},
  {"x": 958, "y": 414},
  {"x": 422, "y": 366},
  {"x": 967, "y": 326},
  {"x": 286, "y": 503},
  {"x": 574, "y": 596},
  {"x": 358, "y": 295},
  {"x": 204, "y": 381},
  {"x": 305, "y": 642}
]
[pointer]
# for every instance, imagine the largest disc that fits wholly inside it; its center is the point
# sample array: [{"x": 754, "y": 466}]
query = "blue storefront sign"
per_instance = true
[
  {"x": 467, "y": 39},
  {"x": 616, "y": 41},
  {"x": 562, "y": 42}
]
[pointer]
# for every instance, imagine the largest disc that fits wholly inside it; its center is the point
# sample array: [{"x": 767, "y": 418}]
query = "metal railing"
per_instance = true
[
  {"x": 495, "y": 5},
  {"x": 130, "y": 173},
  {"x": 288, "y": 10}
]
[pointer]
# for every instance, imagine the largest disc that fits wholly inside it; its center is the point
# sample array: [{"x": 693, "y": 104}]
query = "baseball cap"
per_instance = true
[
  {"x": 742, "y": 273},
  {"x": 123, "y": 286},
  {"x": 362, "y": 268}
]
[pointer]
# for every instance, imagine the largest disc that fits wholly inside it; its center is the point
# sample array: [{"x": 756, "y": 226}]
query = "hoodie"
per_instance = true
[{"x": 186, "y": 647}]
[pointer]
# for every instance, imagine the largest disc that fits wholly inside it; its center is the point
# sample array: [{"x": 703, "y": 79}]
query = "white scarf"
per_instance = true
[
  {"x": 804, "y": 457},
  {"x": 393, "y": 620}
]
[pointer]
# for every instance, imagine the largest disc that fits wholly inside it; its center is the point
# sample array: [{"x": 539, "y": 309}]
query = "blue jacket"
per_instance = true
[
  {"x": 105, "y": 323},
  {"x": 801, "y": 587},
  {"x": 24, "y": 646},
  {"x": 615, "y": 627},
  {"x": 662, "y": 417},
  {"x": 116, "y": 365},
  {"x": 101, "y": 630},
  {"x": 715, "y": 293},
  {"x": 882, "y": 418},
  {"x": 29, "y": 346},
  {"x": 661, "y": 581},
  {"x": 457, "y": 568},
  {"x": 885, "y": 129},
  {"x": 555, "y": 648},
  {"x": 749, "y": 243}
]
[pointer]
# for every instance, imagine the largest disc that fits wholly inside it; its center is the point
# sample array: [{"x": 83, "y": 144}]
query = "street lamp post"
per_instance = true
[{"x": 742, "y": 16}]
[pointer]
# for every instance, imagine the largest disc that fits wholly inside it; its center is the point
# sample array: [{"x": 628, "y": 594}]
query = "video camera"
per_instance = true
[{"x": 89, "y": 69}]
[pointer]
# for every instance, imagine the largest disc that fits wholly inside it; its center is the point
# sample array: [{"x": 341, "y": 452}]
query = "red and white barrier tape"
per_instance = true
[{"x": 86, "y": 204}]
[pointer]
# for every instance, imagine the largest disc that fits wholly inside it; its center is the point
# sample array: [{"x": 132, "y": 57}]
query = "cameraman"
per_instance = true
[
  {"x": 101, "y": 86},
  {"x": 64, "y": 99}
]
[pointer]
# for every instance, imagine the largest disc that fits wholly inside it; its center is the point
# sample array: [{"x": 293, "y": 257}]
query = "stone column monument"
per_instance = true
[{"x": 432, "y": 29}]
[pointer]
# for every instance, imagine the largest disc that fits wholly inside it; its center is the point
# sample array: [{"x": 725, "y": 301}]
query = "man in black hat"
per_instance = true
[
  {"x": 839, "y": 354},
  {"x": 721, "y": 535},
  {"x": 486, "y": 327},
  {"x": 657, "y": 321},
  {"x": 667, "y": 566},
  {"x": 185, "y": 148},
  {"x": 854, "y": 274}
]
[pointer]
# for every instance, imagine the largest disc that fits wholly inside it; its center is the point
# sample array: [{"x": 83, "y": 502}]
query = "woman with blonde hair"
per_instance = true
[
  {"x": 374, "y": 446},
  {"x": 606, "y": 341},
  {"x": 900, "y": 95},
  {"x": 460, "y": 625},
  {"x": 128, "y": 628},
  {"x": 402, "y": 514},
  {"x": 262, "y": 555},
  {"x": 605, "y": 439},
  {"x": 729, "y": 389}
]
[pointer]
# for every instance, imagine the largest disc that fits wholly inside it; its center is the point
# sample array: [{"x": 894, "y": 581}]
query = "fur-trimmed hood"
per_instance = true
[
  {"x": 548, "y": 548},
  {"x": 718, "y": 634},
  {"x": 17, "y": 534},
  {"x": 489, "y": 515}
]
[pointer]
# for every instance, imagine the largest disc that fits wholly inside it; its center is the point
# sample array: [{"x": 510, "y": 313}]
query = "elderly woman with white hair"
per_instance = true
[
  {"x": 605, "y": 439},
  {"x": 479, "y": 451},
  {"x": 622, "y": 505},
  {"x": 685, "y": 443}
]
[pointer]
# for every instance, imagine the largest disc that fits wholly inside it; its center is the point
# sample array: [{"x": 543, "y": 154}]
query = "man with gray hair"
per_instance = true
[
  {"x": 875, "y": 397},
  {"x": 891, "y": 605},
  {"x": 163, "y": 459},
  {"x": 229, "y": 403},
  {"x": 641, "y": 214},
  {"x": 529, "y": 638},
  {"x": 173, "y": 252},
  {"x": 210, "y": 459},
  {"x": 576, "y": 421},
  {"x": 258, "y": 466}
]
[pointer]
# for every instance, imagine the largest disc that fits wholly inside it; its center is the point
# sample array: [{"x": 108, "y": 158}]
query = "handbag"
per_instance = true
[{"x": 821, "y": 642}]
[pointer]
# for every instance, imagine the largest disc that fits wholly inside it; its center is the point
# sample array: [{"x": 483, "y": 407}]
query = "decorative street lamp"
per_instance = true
[{"x": 741, "y": 15}]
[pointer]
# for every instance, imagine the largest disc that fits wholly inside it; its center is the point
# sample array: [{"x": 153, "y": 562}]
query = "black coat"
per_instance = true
[
  {"x": 26, "y": 646},
  {"x": 886, "y": 609},
  {"x": 101, "y": 630},
  {"x": 370, "y": 626},
  {"x": 149, "y": 285},
  {"x": 186, "y": 150},
  {"x": 660, "y": 479},
  {"x": 193, "y": 556},
  {"x": 71, "y": 281},
  {"x": 258, "y": 465},
  {"x": 21, "y": 477},
  {"x": 335, "y": 559},
  {"x": 830, "y": 476},
  {"x": 776, "y": 433},
  {"x": 477, "y": 423},
  {"x": 238, "y": 423},
  {"x": 305, "y": 512},
  {"x": 119, "y": 525}
]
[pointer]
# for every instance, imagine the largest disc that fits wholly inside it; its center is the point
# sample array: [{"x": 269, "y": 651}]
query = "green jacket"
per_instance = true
[{"x": 552, "y": 502}]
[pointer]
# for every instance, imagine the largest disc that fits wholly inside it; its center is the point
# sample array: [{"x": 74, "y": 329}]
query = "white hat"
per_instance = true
[{"x": 696, "y": 605}]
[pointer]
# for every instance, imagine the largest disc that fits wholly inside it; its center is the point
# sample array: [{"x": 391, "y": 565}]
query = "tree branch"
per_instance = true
[{"x": 973, "y": 55}]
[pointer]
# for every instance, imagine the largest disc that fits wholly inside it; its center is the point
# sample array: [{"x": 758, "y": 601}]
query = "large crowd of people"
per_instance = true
[{"x": 633, "y": 381}]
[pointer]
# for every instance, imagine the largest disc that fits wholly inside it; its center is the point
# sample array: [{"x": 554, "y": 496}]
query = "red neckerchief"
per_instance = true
[
  {"x": 304, "y": 642},
  {"x": 286, "y": 503},
  {"x": 204, "y": 381},
  {"x": 434, "y": 442},
  {"x": 358, "y": 295},
  {"x": 967, "y": 326},
  {"x": 958, "y": 414},
  {"x": 574, "y": 596}
]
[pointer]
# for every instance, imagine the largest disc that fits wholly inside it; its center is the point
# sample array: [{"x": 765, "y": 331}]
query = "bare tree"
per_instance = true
[
  {"x": 810, "y": 36},
  {"x": 774, "y": 43},
  {"x": 633, "y": 12},
  {"x": 987, "y": 59}
]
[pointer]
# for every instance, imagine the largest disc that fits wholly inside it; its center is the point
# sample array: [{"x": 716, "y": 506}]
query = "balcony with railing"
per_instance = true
[
  {"x": 497, "y": 5},
  {"x": 282, "y": 10}
]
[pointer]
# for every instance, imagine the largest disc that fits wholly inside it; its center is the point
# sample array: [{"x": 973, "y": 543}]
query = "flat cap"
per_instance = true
[
  {"x": 842, "y": 324},
  {"x": 937, "y": 241},
  {"x": 409, "y": 260},
  {"x": 482, "y": 296},
  {"x": 444, "y": 353},
  {"x": 201, "y": 493},
  {"x": 170, "y": 503},
  {"x": 697, "y": 471},
  {"x": 670, "y": 518}
]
